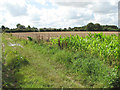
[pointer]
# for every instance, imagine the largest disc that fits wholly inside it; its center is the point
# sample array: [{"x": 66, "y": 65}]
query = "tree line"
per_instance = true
[{"x": 89, "y": 27}]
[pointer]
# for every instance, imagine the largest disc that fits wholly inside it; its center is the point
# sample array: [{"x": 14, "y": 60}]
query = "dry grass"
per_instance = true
[{"x": 48, "y": 35}]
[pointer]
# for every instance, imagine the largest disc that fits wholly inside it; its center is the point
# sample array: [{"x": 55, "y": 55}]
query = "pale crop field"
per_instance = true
[{"x": 49, "y": 35}]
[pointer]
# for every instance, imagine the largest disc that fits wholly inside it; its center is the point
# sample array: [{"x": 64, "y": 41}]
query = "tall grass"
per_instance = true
[
  {"x": 97, "y": 60},
  {"x": 12, "y": 62},
  {"x": 88, "y": 58},
  {"x": 94, "y": 58}
]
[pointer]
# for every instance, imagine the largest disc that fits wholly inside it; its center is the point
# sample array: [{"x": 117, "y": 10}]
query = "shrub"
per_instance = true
[
  {"x": 15, "y": 61},
  {"x": 30, "y": 38},
  {"x": 94, "y": 71}
]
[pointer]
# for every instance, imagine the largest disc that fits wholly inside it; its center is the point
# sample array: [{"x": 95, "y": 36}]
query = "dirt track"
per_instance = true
[{"x": 48, "y": 35}]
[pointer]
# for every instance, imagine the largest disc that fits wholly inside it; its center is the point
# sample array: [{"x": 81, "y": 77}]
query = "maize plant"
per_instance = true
[{"x": 107, "y": 47}]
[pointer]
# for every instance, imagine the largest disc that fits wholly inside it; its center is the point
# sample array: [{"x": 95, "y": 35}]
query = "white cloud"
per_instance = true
[
  {"x": 13, "y": 2},
  {"x": 14, "y": 7},
  {"x": 43, "y": 2},
  {"x": 106, "y": 19},
  {"x": 104, "y": 8},
  {"x": 16, "y": 10},
  {"x": 75, "y": 4},
  {"x": 64, "y": 13}
]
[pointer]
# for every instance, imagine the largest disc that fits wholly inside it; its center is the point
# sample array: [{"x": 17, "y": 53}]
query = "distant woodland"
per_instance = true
[{"x": 89, "y": 27}]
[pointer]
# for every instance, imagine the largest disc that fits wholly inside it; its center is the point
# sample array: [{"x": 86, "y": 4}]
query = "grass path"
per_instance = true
[{"x": 42, "y": 71}]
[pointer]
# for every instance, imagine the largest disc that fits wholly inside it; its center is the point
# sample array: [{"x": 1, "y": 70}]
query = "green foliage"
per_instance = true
[
  {"x": 30, "y": 38},
  {"x": 105, "y": 46},
  {"x": 15, "y": 61},
  {"x": 64, "y": 57},
  {"x": 93, "y": 59},
  {"x": 98, "y": 60},
  {"x": 89, "y": 27},
  {"x": 3, "y": 27},
  {"x": 12, "y": 62},
  {"x": 93, "y": 70}
]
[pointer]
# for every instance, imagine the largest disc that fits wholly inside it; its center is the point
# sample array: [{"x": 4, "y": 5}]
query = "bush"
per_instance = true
[
  {"x": 30, "y": 38},
  {"x": 15, "y": 61},
  {"x": 94, "y": 71}
]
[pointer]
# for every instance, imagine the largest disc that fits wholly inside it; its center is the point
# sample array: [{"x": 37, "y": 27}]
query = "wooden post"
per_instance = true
[{"x": 59, "y": 43}]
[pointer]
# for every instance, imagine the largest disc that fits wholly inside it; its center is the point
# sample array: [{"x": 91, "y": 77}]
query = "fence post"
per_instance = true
[{"x": 59, "y": 43}]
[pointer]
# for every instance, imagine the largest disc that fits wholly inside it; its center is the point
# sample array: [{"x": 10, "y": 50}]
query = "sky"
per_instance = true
[{"x": 58, "y": 13}]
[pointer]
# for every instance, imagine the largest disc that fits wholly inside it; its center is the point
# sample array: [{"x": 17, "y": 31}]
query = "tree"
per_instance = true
[
  {"x": 69, "y": 29},
  {"x": 29, "y": 27},
  {"x": 41, "y": 30},
  {"x": 34, "y": 29},
  {"x": 65, "y": 29},
  {"x": 3, "y": 27},
  {"x": 90, "y": 26},
  {"x": 17, "y": 25},
  {"x": 7, "y": 28},
  {"x": 22, "y": 27},
  {"x": 98, "y": 27}
]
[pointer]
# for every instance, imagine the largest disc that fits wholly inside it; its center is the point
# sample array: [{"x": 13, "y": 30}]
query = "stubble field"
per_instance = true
[{"x": 49, "y": 35}]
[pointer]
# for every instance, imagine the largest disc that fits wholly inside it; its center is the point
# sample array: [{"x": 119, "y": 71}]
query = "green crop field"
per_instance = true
[
  {"x": 106, "y": 47},
  {"x": 64, "y": 62}
]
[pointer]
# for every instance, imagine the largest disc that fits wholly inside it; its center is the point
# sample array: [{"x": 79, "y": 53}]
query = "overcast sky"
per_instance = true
[{"x": 58, "y": 13}]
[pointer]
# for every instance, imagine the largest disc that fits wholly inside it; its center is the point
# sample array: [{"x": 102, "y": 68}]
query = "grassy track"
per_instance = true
[
  {"x": 41, "y": 71},
  {"x": 36, "y": 63}
]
